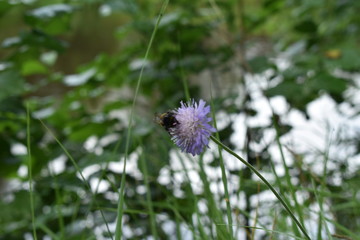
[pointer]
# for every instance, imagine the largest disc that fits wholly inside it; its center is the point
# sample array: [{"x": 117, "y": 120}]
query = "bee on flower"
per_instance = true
[{"x": 188, "y": 126}]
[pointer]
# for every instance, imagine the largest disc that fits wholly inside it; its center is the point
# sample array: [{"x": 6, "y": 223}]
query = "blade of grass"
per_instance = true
[
  {"x": 31, "y": 192},
  {"x": 273, "y": 226},
  {"x": 272, "y": 231},
  {"x": 148, "y": 195},
  {"x": 118, "y": 231},
  {"x": 350, "y": 233},
  {"x": 182, "y": 74},
  {"x": 103, "y": 173},
  {"x": 287, "y": 173},
  {"x": 223, "y": 171},
  {"x": 58, "y": 203},
  {"x": 189, "y": 192},
  {"x": 187, "y": 97},
  {"x": 319, "y": 199},
  {"x": 49, "y": 232},
  {"x": 214, "y": 212},
  {"x": 193, "y": 195},
  {"x": 78, "y": 170},
  {"x": 258, "y": 203},
  {"x": 266, "y": 182}
]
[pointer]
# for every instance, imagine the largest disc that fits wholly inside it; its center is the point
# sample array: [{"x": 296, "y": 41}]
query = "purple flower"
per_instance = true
[{"x": 192, "y": 129}]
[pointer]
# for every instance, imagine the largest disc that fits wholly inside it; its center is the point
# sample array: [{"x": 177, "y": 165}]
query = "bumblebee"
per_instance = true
[{"x": 167, "y": 120}]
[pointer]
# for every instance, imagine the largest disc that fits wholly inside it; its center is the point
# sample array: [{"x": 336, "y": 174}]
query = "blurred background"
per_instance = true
[{"x": 282, "y": 76}]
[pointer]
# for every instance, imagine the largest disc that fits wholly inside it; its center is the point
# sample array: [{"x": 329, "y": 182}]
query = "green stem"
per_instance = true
[
  {"x": 120, "y": 207},
  {"x": 266, "y": 182},
  {"x": 31, "y": 191}
]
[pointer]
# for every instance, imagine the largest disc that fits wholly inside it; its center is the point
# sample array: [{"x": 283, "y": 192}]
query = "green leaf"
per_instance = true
[
  {"x": 348, "y": 58},
  {"x": 4, "y": 7},
  {"x": 11, "y": 83},
  {"x": 52, "y": 19},
  {"x": 329, "y": 83},
  {"x": 259, "y": 64},
  {"x": 35, "y": 38},
  {"x": 9, "y": 163},
  {"x": 128, "y": 6},
  {"x": 33, "y": 67},
  {"x": 306, "y": 26},
  {"x": 83, "y": 132},
  {"x": 287, "y": 89}
]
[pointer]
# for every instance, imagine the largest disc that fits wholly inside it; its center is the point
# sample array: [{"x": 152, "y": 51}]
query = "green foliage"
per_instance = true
[{"x": 76, "y": 65}]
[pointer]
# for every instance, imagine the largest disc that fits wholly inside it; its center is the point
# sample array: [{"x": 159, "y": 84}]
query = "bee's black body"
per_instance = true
[{"x": 167, "y": 120}]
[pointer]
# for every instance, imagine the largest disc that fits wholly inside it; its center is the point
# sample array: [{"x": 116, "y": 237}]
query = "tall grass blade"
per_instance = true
[
  {"x": 287, "y": 173},
  {"x": 148, "y": 196},
  {"x": 58, "y": 203},
  {"x": 78, "y": 170},
  {"x": 118, "y": 231},
  {"x": 31, "y": 191},
  {"x": 215, "y": 214},
  {"x": 266, "y": 182},
  {"x": 223, "y": 171}
]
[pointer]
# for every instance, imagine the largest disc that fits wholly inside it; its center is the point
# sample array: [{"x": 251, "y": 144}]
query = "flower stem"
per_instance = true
[{"x": 265, "y": 181}]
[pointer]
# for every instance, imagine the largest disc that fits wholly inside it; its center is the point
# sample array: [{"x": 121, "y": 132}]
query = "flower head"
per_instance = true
[{"x": 192, "y": 129}]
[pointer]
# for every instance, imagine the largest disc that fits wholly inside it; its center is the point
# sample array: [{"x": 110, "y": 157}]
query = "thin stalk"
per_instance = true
[
  {"x": 48, "y": 231},
  {"x": 223, "y": 174},
  {"x": 195, "y": 198},
  {"x": 148, "y": 196},
  {"x": 87, "y": 185},
  {"x": 287, "y": 173},
  {"x": 320, "y": 199},
  {"x": 58, "y": 203},
  {"x": 214, "y": 212},
  {"x": 120, "y": 209},
  {"x": 182, "y": 74},
  {"x": 266, "y": 182},
  {"x": 31, "y": 192}
]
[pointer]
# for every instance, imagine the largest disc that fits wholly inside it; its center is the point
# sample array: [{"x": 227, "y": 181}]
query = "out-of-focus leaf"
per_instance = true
[
  {"x": 79, "y": 79},
  {"x": 50, "y": 11},
  {"x": 333, "y": 53},
  {"x": 49, "y": 58},
  {"x": 52, "y": 19},
  {"x": 12, "y": 105},
  {"x": 348, "y": 59},
  {"x": 11, "y": 42},
  {"x": 9, "y": 163},
  {"x": 306, "y": 26},
  {"x": 259, "y": 64},
  {"x": 288, "y": 89},
  {"x": 18, "y": 208},
  {"x": 33, "y": 67},
  {"x": 329, "y": 83},
  {"x": 34, "y": 39},
  {"x": 122, "y": 6},
  {"x": 81, "y": 133},
  {"x": 11, "y": 83},
  {"x": 273, "y": 5},
  {"x": 4, "y": 7},
  {"x": 298, "y": 95}
]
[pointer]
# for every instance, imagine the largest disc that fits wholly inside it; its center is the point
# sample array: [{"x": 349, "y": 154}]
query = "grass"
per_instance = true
[
  {"x": 118, "y": 231},
  {"x": 31, "y": 192},
  {"x": 87, "y": 185},
  {"x": 211, "y": 223},
  {"x": 281, "y": 199},
  {"x": 210, "y": 214}
]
